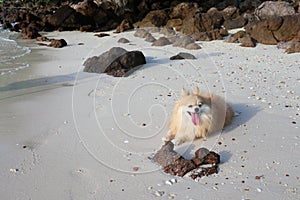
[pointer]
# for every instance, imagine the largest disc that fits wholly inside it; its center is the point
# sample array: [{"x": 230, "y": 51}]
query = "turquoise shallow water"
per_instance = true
[{"x": 10, "y": 53}]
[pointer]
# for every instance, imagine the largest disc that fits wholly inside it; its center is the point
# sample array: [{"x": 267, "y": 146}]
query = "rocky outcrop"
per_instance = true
[
  {"x": 116, "y": 62},
  {"x": 275, "y": 29}
]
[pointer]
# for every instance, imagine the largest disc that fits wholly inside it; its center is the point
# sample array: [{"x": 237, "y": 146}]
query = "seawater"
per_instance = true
[{"x": 10, "y": 53}]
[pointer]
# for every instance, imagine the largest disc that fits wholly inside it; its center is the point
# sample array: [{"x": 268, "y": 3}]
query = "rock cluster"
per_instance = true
[{"x": 203, "y": 163}]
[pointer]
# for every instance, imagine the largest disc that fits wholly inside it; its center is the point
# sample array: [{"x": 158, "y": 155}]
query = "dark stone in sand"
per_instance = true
[
  {"x": 238, "y": 22},
  {"x": 30, "y": 32},
  {"x": 102, "y": 35},
  {"x": 59, "y": 43},
  {"x": 162, "y": 41},
  {"x": 116, "y": 62},
  {"x": 174, "y": 164},
  {"x": 292, "y": 47},
  {"x": 123, "y": 40},
  {"x": 182, "y": 55},
  {"x": 183, "y": 41}
]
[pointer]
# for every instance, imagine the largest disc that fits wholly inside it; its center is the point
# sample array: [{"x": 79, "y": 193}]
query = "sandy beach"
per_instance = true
[{"x": 67, "y": 134}]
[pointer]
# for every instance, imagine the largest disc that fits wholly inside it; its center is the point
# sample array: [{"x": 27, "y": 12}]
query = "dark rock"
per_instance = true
[
  {"x": 7, "y": 25},
  {"x": 102, "y": 35},
  {"x": 234, "y": 38},
  {"x": 276, "y": 29},
  {"x": 43, "y": 39},
  {"x": 31, "y": 32},
  {"x": 66, "y": 18},
  {"x": 182, "y": 55},
  {"x": 98, "y": 64},
  {"x": 116, "y": 62},
  {"x": 183, "y": 10},
  {"x": 87, "y": 28},
  {"x": 274, "y": 9},
  {"x": 247, "y": 41},
  {"x": 174, "y": 23},
  {"x": 154, "y": 18},
  {"x": 58, "y": 43},
  {"x": 174, "y": 164},
  {"x": 126, "y": 64},
  {"x": 124, "y": 26},
  {"x": 162, "y": 41},
  {"x": 230, "y": 12},
  {"x": 234, "y": 23},
  {"x": 123, "y": 40}
]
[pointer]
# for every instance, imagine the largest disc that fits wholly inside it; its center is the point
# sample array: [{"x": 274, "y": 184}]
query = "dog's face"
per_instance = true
[{"x": 194, "y": 107}]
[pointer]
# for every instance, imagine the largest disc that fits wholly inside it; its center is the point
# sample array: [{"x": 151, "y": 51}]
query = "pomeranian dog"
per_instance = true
[{"x": 196, "y": 115}]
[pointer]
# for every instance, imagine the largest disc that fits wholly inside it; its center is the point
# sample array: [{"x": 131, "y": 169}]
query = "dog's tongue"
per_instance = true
[{"x": 195, "y": 118}]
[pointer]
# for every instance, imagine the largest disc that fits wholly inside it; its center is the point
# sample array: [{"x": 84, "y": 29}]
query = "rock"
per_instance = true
[
  {"x": 162, "y": 41},
  {"x": 230, "y": 12},
  {"x": 176, "y": 165},
  {"x": 183, "y": 41},
  {"x": 174, "y": 23},
  {"x": 168, "y": 32},
  {"x": 142, "y": 33},
  {"x": 123, "y": 40},
  {"x": 7, "y": 25},
  {"x": 247, "y": 41},
  {"x": 183, "y": 10},
  {"x": 275, "y": 29},
  {"x": 116, "y": 62},
  {"x": 58, "y": 43},
  {"x": 124, "y": 26},
  {"x": 102, "y": 35},
  {"x": 87, "y": 28},
  {"x": 30, "y": 32},
  {"x": 150, "y": 38},
  {"x": 98, "y": 64},
  {"x": 192, "y": 46},
  {"x": 274, "y": 9},
  {"x": 182, "y": 55},
  {"x": 66, "y": 18},
  {"x": 293, "y": 47},
  {"x": 156, "y": 18},
  {"x": 234, "y": 23}
]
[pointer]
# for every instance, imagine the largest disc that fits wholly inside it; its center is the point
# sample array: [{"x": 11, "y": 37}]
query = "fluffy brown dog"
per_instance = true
[{"x": 196, "y": 115}]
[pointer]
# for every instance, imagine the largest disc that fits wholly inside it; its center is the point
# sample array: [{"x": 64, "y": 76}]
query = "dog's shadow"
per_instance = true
[{"x": 243, "y": 113}]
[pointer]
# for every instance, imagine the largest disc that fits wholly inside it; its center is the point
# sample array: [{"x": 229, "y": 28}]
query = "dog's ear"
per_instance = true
[
  {"x": 196, "y": 91},
  {"x": 184, "y": 92}
]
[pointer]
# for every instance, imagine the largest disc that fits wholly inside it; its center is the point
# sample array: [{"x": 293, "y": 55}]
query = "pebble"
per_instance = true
[
  {"x": 126, "y": 141},
  {"x": 159, "y": 193},
  {"x": 14, "y": 170},
  {"x": 259, "y": 189}
]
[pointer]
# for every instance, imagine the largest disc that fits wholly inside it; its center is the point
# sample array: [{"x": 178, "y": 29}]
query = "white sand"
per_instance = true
[{"x": 70, "y": 135}]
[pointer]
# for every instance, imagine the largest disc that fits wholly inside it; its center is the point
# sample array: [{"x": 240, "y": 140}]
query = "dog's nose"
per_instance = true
[{"x": 196, "y": 110}]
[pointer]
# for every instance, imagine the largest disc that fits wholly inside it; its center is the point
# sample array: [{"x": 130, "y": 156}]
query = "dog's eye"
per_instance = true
[
  {"x": 190, "y": 106},
  {"x": 200, "y": 104}
]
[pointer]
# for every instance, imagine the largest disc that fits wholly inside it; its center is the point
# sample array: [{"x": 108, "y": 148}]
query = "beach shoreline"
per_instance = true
[{"x": 67, "y": 134}]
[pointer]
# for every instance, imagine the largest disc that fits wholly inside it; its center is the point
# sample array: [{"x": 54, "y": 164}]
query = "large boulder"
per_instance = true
[
  {"x": 66, "y": 18},
  {"x": 116, "y": 62},
  {"x": 273, "y": 9},
  {"x": 275, "y": 29},
  {"x": 156, "y": 18}
]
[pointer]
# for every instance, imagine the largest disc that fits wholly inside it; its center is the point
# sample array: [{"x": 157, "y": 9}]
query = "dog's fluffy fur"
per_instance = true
[{"x": 196, "y": 115}]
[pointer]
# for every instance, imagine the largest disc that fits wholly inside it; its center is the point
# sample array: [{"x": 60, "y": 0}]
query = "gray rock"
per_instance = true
[
  {"x": 274, "y": 8},
  {"x": 162, "y": 41},
  {"x": 183, "y": 55},
  {"x": 123, "y": 40}
]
